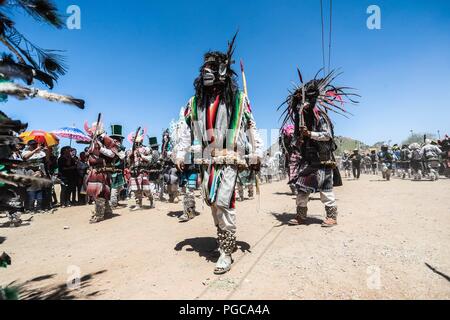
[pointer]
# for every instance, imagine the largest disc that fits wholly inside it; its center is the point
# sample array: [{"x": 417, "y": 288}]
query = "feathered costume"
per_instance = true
[
  {"x": 307, "y": 109},
  {"x": 141, "y": 161},
  {"x": 101, "y": 154},
  {"x": 221, "y": 131}
]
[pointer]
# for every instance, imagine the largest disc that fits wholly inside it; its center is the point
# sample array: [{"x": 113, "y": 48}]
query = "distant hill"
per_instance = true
[{"x": 349, "y": 144}]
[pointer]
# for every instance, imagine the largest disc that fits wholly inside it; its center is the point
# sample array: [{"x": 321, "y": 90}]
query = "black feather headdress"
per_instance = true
[
  {"x": 230, "y": 86},
  {"x": 320, "y": 93}
]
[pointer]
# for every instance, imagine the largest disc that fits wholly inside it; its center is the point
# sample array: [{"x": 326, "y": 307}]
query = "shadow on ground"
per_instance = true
[
  {"x": 285, "y": 217},
  {"x": 29, "y": 291},
  {"x": 284, "y": 194},
  {"x": 9, "y": 225},
  {"x": 175, "y": 214},
  {"x": 206, "y": 247}
]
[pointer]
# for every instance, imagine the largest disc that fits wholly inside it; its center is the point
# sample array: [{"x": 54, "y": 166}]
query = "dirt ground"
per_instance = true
[{"x": 392, "y": 242}]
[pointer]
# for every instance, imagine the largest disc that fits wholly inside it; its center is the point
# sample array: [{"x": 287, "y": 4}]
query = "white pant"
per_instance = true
[
  {"x": 115, "y": 192},
  {"x": 327, "y": 198},
  {"x": 225, "y": 218}
]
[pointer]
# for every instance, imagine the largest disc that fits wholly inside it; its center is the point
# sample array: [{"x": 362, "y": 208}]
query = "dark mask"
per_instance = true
[{"x": 214, "y": 72}]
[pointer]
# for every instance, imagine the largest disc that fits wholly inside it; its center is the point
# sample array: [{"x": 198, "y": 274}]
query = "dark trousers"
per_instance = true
[
  {"x": 73, "y": 194},
  {"x": 66, "y": 192},
  {"x": 81, "y": 197},
  {"x": 47, "y": 198},
  {"x": 356, "y": 171},
  {"x": 34, "y": 196}
]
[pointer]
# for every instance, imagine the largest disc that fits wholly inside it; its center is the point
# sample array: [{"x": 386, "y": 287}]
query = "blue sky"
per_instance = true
[{"x": 135, "y": 61}]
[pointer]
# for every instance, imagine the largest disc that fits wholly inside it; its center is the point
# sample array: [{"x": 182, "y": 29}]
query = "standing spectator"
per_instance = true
[
  {"x": 67, "y": 169},
  {"x": 374, "y": 160},
  {"x": 17, "y": 152},
  {"x": 51, "y": 164},
  {"x": 75, "y": 191},
  {"x": 35, "y": 155},
  {"x": 367, "y": 164},
  {"x": 346, "y": 164},
  {"x": 356, "y": 159},
  {"x": 82, "y": 168},
  {"x": 16, "y": 155}
]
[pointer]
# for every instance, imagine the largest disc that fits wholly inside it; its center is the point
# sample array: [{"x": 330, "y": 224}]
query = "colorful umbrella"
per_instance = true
[
  {"x": 72, "y": 133},
  {"x": 40, "y": 136}
]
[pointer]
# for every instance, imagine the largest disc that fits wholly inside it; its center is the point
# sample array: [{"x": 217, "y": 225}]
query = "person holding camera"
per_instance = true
[{"x": 35, "y": 155}]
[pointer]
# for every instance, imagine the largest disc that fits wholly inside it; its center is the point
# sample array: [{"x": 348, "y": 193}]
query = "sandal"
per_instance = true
[{"x": 328, "y": 223}]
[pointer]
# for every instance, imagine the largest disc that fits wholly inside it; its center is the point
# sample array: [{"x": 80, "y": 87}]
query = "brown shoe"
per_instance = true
[
  {"x": 329, "y": 222},
  {"x": 300, "y": 218}
]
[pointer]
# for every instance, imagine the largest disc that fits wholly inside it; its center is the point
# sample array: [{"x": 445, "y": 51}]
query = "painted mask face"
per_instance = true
[{"x": 214, "y": 72}]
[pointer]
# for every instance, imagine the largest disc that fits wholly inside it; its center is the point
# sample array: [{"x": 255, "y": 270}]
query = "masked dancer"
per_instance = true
[
  {"x": 139, "y": 159},
  {"x": 307, "y": 109},
  {"x": 100, "y": 157},
  {"x": 220, "y": 125}
]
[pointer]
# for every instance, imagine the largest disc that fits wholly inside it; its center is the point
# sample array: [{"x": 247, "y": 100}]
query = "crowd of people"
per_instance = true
[
  {"x": 415, "y": 161},
  {"x": 157, "y": 179},
  {"x": 63, "y": 167},
  {"x": 214, "y": 148}
]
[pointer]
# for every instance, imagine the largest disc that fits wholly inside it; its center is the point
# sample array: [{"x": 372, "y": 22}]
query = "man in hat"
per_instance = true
[
  {"x": 221, "y": 132},
  {"x": 100, "y": 156},
  {"x": 117, "y": 177},
  {"x": 356, "y": 159},
  {"x": 139, "y": 163}
]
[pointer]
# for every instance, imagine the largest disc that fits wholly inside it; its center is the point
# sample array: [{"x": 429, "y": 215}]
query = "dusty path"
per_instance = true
[{"x": 393, "y": 241}]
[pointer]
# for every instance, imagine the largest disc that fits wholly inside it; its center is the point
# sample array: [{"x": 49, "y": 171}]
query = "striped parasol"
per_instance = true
[
  {"x": 40, "y": 136},
  {"x": 72, "y": 133}
]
